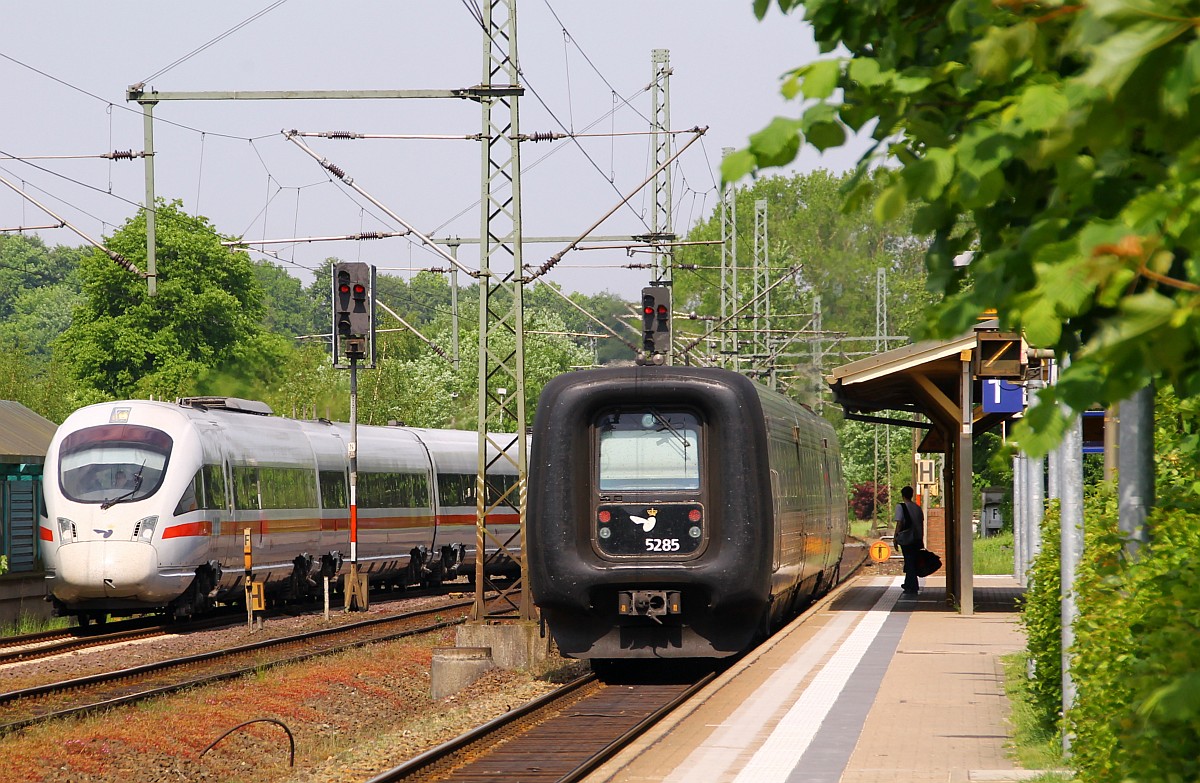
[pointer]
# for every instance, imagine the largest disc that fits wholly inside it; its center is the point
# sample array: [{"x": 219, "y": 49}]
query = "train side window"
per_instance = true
[
  {"x": 498, "y": 485},
  {"x": 334, "y": 494},
  {"x": 393, "y": 490},
  {"x": 456, "y": 489},
  {"x": 245, "y": 488},
  {"x": 190, "y": 501},
  {"x": 214, "y": 496},
  {"x": 287, "y": 487}
]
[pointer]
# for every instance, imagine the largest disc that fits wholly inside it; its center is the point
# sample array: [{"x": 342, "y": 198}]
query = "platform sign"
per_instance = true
[
  {"x": 926, "y": 472},
  {"x": 879, "y": 551},
  {"x": 1000, "y": 396}
]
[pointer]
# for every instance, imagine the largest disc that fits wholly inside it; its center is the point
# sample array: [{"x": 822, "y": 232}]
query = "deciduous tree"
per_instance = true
[{"x": 1059, "y": 143}]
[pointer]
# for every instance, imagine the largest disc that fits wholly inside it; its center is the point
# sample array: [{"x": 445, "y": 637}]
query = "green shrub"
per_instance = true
[
  {"x": 1042, "y": 617},
  {"x": 1137, "y": 654}
]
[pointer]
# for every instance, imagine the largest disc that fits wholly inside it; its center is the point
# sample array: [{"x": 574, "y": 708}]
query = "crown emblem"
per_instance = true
[{"x": 647, "y": 522}]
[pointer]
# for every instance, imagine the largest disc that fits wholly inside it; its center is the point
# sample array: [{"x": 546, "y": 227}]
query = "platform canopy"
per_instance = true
[
  {"x": 934, "y": 386},
  {"x": 24, "y": 435},
  {"x": 925, "y": 378}
]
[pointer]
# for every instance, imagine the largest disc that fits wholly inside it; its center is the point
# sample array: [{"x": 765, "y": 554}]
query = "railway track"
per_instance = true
[
  {"x": 558, "y": 738},
  {"x": 34, "y": 646},
  {"x": 25, "y": 707},
  {"x": 565, "y": 735},
  {"x": 43, "y": 644}
]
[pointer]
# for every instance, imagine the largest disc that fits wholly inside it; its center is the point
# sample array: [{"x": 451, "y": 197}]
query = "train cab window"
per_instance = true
[
  {"x": 648, "y": 450},
  {"x": 113, "y": 463},
  {"x": 649, "y": 502}
]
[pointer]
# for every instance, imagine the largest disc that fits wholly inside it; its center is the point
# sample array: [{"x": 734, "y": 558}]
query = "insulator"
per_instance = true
[
  {"x": 335, "y": 170},
  {"x": 120, "y": 259},
  {"x": 544, "y": 136},
  {"x": 340, "y": 135},
  {"x": 369, "y": 235},
  {"x": 120, "y": 155}
]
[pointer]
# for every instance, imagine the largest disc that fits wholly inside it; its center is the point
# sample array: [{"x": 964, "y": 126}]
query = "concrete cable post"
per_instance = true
[
  {"x": 1019, "y": 561},
  {"x": 1071, "y": 537},
  {"x": 1135, "y": 468}
]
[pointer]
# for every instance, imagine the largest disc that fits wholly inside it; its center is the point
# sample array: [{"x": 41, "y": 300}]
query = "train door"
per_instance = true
[
  {"x": 431, "y": 482},
  {"x": 777, "y": 514},
  {"x": 218, "y": 499},
  {"x": 828, "y": 515}
]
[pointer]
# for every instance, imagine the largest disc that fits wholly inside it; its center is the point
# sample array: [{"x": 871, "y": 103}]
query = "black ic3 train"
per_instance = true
[{"x": 677, "y": 512}]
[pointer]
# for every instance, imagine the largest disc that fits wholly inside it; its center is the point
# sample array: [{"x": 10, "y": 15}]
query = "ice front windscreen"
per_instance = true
[
  {"x": 104, "y": 463},
  {"x": 649, "y": 450}
]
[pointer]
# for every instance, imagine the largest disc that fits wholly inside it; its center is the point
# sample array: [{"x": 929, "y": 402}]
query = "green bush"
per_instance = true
[
  {"x": 1137, "y": 653},
  {"x": 1136, "y": 657},
  {"x": 1042, "y": 617}
]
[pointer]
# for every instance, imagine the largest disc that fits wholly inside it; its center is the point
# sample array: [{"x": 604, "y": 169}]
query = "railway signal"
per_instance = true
[
  {"x": 353, "y": 312},
  {"x": 656, "y": 324}
]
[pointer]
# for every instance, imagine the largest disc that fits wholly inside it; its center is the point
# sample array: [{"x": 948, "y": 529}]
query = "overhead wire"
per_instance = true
[
  {"x": 216, "y": 40},
  {"x": 111, "y": 195},
  {"x": 472, "y": 8},
  {"x": 131, "y": 110},
  {"x": 528, "y": 85}
]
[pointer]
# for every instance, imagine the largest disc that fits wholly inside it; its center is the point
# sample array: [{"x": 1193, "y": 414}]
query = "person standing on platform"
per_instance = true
[{"x": 910, "y": 537}]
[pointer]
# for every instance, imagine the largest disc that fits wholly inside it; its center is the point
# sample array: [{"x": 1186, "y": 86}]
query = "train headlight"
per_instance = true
[
  {"x": 144, "y": 529},
  {"x": 66, "y": 530},
  {"x": 694, "y": 531},
  {"x": 605, "y": 532}
]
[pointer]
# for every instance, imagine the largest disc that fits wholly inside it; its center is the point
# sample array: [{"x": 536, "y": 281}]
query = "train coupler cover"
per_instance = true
[{"x": 649, "y": 603}]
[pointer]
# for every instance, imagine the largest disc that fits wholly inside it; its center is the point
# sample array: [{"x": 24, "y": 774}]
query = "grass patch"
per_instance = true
[
  {"x": 28, "y": 623},
  {"x": 1032, "y": 747},
  {"x": 994, "y": 555},
  {"x": 866, "y": 528}
]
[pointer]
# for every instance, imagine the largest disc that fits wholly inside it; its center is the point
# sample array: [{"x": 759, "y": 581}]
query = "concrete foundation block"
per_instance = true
[
  {"x": 454, "y": 668},
  {"x": 515, "y": 645}
]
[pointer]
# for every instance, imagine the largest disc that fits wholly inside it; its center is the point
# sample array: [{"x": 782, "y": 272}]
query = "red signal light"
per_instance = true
[
  {"x": 344, "y": 288},
  {"x": 694, "y": 515},
  {"x": 662, "y": 311},
  {"x": 649, "y": 310},
  {"x": 605, "y": 516}
]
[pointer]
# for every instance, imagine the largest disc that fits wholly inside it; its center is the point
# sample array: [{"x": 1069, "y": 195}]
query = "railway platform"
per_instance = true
[{"x": 868, "y": 685}]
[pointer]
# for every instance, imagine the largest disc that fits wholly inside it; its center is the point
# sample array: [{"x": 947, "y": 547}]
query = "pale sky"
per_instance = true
[{"x": 228, "y": 160}]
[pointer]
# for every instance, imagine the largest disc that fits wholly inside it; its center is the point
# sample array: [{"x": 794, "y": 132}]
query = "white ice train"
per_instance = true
[{"x": 147, "y": 504}]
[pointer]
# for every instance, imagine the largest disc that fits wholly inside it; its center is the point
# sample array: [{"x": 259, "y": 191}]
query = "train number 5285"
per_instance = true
[{"x": 662, "y": 544}]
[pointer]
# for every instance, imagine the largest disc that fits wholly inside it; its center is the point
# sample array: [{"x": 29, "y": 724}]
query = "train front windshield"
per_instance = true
[
  {"x": 113, "y": 463},
  {"x": 649, "y": 450}
]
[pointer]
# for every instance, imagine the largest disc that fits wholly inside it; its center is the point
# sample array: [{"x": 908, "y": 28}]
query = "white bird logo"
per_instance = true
[{"x": 646, "y": 522}]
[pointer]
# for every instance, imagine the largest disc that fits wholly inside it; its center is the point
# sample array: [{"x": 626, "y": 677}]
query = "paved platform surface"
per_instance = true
[{"x": 870, "y": 686}]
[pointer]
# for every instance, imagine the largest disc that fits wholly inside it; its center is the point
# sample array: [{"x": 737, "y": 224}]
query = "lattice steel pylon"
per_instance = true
[
  {"x": 501, "y": 317},
  {"x": 764, "y": 363},
  {"x": 660, "y": 133},
  {"x": 729, "y": 274}
]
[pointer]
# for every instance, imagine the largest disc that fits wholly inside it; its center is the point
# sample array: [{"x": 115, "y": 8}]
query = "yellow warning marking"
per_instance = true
[{"x": 880, "y": 551}]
